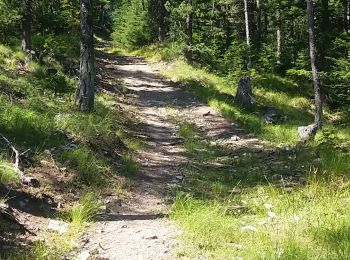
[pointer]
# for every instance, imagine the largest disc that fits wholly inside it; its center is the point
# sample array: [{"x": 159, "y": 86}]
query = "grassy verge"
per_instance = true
[
  {"x": 87, "y": 152},
  {"x": 231, "y": 206},
  {"x": 238, "y": 204}
]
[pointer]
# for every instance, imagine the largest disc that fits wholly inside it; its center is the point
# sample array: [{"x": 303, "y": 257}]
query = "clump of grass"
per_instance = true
[
  {"x": 7, "y": 173},
  {"x": 128, "y": 164},
  {"x": 91, "y": 169},
  {"x": 85, "y": 210}
]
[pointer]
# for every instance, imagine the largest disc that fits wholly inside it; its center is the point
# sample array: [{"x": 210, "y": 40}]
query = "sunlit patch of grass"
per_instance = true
[
  {"x": 162, "y": 52},
  {"x": 294, "y": 228},
  {"x": 133, "y": 143},
  {"x": 7, "y": 173},
  {"x": 85, "y": 209},
  {"x": 234, "y": 210},
  {"x": 91, "y": 169},
  {"x": 129, "y": 165}
]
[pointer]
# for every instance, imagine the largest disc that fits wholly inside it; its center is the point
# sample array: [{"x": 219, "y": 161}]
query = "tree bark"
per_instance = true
[
  {"x": 189, "y": 31},
  {"x": 346, "y": 10},
  {"x": 315, "y": 77},
  {"x": 161, "y": 21},
  {"x": 26, "y": 26},
  {"x": 246, "y": 16},
  {"x": 278, "y": 37},
  {"x": 258, "y": 25},
  {"x": 86, "y": 92}
]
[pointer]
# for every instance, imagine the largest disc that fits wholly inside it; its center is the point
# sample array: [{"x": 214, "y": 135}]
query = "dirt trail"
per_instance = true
[{"x": 136, "y": 227}]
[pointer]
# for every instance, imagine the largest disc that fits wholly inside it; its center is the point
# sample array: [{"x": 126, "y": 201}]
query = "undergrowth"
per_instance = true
[
  {"x": 37, "y": 112},
  {"x": 237, "y": 204}
]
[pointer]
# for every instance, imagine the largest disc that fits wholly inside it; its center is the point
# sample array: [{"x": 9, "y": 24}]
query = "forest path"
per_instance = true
[{"x": 136, "y": 227}]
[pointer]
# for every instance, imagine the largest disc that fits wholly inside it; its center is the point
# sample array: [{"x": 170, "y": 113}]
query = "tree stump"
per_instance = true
[{"x": 244, "y": 94}]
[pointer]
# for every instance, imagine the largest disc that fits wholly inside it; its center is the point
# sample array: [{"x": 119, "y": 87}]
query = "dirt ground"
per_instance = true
[{"x": 137, "y": 228}]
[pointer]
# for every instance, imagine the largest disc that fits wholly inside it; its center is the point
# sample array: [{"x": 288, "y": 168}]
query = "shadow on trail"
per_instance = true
[{"x": 111, "y": 217}]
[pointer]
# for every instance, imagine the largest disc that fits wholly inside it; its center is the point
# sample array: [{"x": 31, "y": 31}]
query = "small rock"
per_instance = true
[
  {"x": 103, "y": 208},
  {"x": 268, "y": 206},
  {"x": 235, "y": 246},
  {"x": 179, "y": 177},
  {"x": 270, "y": 115},
  {"x": 317, "y": 161},
  {"x": 153, "y": 237},
  {"x": 235, "y": 138},
  {"x": 302, "y": 180},
  {"x": 249, "y": 228},
  {"x": 271, "y": 215},
  {"x": 22, "y": 204},
  {"x": 289, "y": 189},
  {"x": 74, "y": 244},
  {"x": 307, "y": 132},
  {"x": 84, "y": 255},
  {"x": 30, "y": 181},
  {"x": 124, "y": 226},
  {"x": 58, "y": 226}
]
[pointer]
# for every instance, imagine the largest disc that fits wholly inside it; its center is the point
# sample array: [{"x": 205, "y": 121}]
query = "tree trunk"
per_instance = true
[
  {"x": 346, "y": 9},
  {"x": 227, "y": 27},
  {"x": 246, "y": 15},
  {"x": 26, "y": 26},
  {"x": 189, "y": 28},
  {"x": 258, "y": 25},
  {"x": 86, "y": 92},
  {"x": 161, "y": 21},
  {"x": 278, "y": 37},
  {"x": 315, "y": 77},
  {"x": 102, "y": 15}
]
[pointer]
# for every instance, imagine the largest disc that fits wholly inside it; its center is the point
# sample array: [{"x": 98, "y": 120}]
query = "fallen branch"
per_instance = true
[{"x": 16, "y": 165}]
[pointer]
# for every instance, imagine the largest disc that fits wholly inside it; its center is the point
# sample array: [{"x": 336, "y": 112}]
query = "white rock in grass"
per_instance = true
[
  {"x": 268, "y": 206},
  {"x": 296, "y": 218},
  {"x": 84, "y": 255},
  {"x": 280, "y": 252},
  {"x": 271, "y": 215},
  {"x": 262, "y": 222},
  {"x": 249, "y": 228},
  {"x": 58, "y": 226}
]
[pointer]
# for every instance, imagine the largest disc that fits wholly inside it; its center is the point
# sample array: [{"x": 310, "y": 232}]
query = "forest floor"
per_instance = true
[{"x": 137, "y": 227}]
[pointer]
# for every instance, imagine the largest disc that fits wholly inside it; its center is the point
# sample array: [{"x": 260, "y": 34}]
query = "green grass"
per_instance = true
[
  {"x": 129, "y": 166},
  {"x": 316, "y": 228},
  {"x": 237, "y": 209},
  {"x": 37, "y": 112},
  {"x": 7, "y": 173}
]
